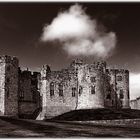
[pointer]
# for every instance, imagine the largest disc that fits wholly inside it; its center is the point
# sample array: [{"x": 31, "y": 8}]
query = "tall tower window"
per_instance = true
[
  {"x": 73, "y": 91},
  {"x": 92, "y": 89},
  {"x": 93, "y": 79},
  {"x": 121, "y": 94},
  {"x": 7, "y": 92},
  {"x": 51, "y": 89},
  {"x": 80, "y": 90},
  {"x": 21, "y": 95},
  {"x": 108, "y": 96},
  {"x": 61, "y": 89},
  {"x": 8, "y": 80}
]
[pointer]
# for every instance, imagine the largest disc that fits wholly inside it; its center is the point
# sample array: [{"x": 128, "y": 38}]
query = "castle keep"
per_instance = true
[{"x": 51, "y": 93}]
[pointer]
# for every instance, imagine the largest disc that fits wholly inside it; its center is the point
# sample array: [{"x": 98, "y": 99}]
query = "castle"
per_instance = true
[{"x": 51, "y": 93}]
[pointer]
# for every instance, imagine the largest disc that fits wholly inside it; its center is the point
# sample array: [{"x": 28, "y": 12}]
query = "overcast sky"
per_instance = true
[{"x": 22, "y": 25}]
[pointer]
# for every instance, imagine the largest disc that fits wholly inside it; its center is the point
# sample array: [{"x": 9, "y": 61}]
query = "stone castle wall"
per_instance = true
[
  {"x": 80, "y": 86},
  {"x": 56, "y": 90},
  {"x": 94, "y": 85},
  {"x": 29, "y": 99}
]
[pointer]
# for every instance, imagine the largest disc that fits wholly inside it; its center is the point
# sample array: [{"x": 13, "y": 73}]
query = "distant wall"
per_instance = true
[{"x": 135, "y": 104}]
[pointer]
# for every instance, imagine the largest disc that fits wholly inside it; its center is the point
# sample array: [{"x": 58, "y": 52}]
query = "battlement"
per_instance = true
[
  {"x": 117, "y": 71},
  {"x": 77, "y": 62},
  {"x": 28, "y": 74},
  {"x": 9, "y": 59},
  {"x": 46, "y": 67},
  {"x": 98, "y": 65}
]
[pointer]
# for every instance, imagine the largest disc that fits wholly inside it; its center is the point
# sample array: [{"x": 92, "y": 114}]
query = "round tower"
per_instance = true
[{"x": 91, "y": 86}]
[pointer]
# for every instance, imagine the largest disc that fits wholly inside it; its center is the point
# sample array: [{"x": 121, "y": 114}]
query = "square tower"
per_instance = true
[{"x": 8, "y": 85}]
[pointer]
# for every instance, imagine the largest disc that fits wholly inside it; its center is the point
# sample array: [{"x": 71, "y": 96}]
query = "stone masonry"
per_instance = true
[
  {"x": 51, "y": 93},
  {"x": 83, "y": 86}
]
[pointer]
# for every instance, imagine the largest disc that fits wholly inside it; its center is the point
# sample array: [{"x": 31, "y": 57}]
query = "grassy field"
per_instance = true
[{"x": 10, "y": 127}]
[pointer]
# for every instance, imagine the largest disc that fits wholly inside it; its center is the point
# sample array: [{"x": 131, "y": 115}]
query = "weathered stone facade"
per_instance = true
[
  {"x": 19, "y": 92},
  {"x": 80, "y": 86},
  {"x": 83, "y": 86},
  {"x": 29, "y": 96},
  {"x": 119, "y": 87}
]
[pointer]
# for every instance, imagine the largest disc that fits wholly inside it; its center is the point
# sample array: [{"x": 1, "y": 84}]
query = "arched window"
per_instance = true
[
  {"x": 121, "y": 94},
  {"x": 93, "y": 79},
  {"x": 61, "y": 89},
  {"x": 108, "y": 96},
  {"x": 92, "y": 89},
  {"x": 51, "y": 89},
  {"x": 21, "y": 95},
  {"x": 80, "y": 90},
  {"x": 73, "y": 91}
]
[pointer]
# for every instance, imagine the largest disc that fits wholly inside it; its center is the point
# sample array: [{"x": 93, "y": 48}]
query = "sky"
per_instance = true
[{"x": 27, "y": 31}]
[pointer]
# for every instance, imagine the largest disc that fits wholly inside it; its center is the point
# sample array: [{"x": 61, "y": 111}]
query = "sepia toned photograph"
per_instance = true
[{"x": 69, "y": 69}]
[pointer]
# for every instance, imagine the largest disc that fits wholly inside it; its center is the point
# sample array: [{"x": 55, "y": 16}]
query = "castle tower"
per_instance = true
[
  {"x": 91, "y": 86},
  {"x": 8, "y": 86},
  {"x": 119, "y": 81},
  {"x": 122, "y": 78}
]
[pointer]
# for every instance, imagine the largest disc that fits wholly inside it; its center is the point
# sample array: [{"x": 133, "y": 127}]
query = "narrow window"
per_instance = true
[
  {"x": 7, "y": 92},
  {"x": 60, "y": 90},
  {"x": 33, "y": 96},
  {"x": 92, "y": 89},
  {"x": 121, "y": 94},
  {"x": 112, "y": 102},
  {"x": 108, "y": 96},
  {"x": 119, "y": 78},
  {"x": 93, "y": 79},
  {"x": 73, "y": 91},
  {"x": 8, "y": 80},
  {"x": 8, "y": 68},
  {"x": 21, "y": 96},
  {"x": 51, "y": 89},
  {"x": 80, "y": 90}
]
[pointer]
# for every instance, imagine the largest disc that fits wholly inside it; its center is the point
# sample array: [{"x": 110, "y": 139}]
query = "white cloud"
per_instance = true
[
  {"x": 78, "y": 34},
  {"x": 134, "y": 85}
]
